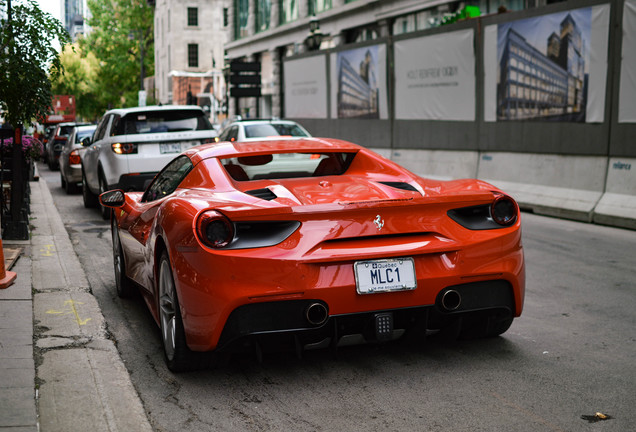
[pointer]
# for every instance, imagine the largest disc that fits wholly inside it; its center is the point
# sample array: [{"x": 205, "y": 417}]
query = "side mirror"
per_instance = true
[
  {"x": 86, "y": 141},
  {"x": 113, "y": 198}
]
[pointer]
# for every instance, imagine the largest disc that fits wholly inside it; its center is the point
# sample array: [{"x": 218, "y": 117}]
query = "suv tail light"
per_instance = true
[{"x": 124, "y": 148}]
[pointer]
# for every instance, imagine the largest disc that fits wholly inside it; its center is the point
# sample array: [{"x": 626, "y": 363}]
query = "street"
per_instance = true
[{"x": 569, "y": 356}]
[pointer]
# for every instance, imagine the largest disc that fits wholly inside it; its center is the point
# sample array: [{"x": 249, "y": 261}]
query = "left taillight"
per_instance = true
[
  {"x": 74, "y": 158},
  {"x": 124, "y": 148},
  {"x": 214, "y": 229}
]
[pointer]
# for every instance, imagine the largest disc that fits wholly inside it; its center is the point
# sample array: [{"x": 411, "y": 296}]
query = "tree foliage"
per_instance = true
[
  {"x": 80, "y": 71},
  {"x": 27, "y": 59},
  {"x": 121, "y": 30}
]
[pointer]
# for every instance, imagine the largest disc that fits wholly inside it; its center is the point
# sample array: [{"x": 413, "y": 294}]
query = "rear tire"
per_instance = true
[
  {"x": 63, "y": 182},
  {"x": 90, "y": 199},
  {"x": 177, "y": 354},
  {"x": 484, "y": 327},
  {"x": 125, "y": 287}
]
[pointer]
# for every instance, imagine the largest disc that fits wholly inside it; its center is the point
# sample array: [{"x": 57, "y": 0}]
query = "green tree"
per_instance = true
[
  {"x": 80, "y": 71},
  {"x": 122, "y": 33},
  {"x": 27, "y": 59}
]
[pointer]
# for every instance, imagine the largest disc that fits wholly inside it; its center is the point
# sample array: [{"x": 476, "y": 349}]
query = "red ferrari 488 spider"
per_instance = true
[{"x": 316, "y": 243}]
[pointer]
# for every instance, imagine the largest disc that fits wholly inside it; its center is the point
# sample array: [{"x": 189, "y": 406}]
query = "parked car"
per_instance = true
[
  {"x": 356, "y": 250},
  {"x": 131, "y": 145},
  {"x": 57, "y": 141},
  {"x": 70, "y": 160},
  {"x": 49, "y": 133},
  {"x": 258, "y": 129}
]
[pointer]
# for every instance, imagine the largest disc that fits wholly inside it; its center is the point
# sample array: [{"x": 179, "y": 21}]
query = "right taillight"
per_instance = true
[
  {"x": 214, "y": 229},
  {"x": 504, "y": 210}
]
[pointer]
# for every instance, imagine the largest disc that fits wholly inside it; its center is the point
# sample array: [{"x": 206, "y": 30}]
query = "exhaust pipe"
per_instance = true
[
  {"x": 451, "y": 300},
  {"x": 316, "y": 314}
]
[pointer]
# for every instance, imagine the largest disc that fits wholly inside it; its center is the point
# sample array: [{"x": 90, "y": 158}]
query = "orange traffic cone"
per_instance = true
[{"x": 6, "y": 277}]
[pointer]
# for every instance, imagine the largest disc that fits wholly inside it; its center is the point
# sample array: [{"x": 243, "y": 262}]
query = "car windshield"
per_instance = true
[
  {"x": 287, "y": 165},
  {"x": 161, "y": 121},
  {"x": 274, "y": 129}
]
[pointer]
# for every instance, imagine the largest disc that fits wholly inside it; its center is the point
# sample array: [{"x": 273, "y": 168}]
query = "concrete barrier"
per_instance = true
[
  {"x": 438, "y": 164},
  {"x": 555, "y": 185},
  {"x": 617, "y": 206}
]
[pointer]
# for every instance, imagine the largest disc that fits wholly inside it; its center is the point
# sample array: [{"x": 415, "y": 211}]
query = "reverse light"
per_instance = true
[
  {"x": 74, "y": 158},
  {"x": 214, "y": 230},
  {"x": 124, "y": 148},
  {"x": 503, "y": 210}
]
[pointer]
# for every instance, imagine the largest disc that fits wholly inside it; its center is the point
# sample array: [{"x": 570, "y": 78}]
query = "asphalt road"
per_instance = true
[{"x": 570, "y": 355}]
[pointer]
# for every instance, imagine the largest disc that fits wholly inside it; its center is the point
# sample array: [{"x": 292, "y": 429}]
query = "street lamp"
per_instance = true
[
  {"x": 142, "y": 92},
  {"x": 314, "y": 39}
]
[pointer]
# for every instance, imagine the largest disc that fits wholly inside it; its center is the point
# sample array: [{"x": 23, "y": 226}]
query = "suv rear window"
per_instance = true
[{"x": 161, "y": 121}]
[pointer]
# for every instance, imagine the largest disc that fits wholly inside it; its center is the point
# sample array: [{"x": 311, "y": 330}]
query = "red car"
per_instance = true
[{"x": 316, "y": 243}]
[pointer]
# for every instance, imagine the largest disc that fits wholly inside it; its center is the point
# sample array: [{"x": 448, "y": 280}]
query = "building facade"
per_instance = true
[
  {"x": 266, "y": 31},
  {"x": 189, "y": 40}
]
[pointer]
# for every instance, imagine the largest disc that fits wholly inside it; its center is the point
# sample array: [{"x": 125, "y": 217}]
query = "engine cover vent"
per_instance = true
[{"x": 264, "y": 193}]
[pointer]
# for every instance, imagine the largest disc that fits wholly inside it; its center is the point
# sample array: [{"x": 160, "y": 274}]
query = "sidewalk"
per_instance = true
[{"x": 59, "y": 371}]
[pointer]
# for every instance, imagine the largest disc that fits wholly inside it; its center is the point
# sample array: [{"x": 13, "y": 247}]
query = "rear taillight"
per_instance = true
[
  {"x": 504, "y": 210},
  {"x": 74, "y": 158},
  {"x": 214, "y": 230},
  {"x": 124, "y": 148}
]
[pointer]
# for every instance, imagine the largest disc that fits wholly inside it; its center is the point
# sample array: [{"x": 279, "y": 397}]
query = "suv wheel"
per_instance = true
[{"x": 102, "y": 188}]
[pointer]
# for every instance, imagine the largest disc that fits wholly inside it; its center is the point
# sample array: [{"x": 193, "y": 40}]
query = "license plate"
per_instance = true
[
  {"x": 170, "y": 148},
  {"x": 386, "y": 275}
]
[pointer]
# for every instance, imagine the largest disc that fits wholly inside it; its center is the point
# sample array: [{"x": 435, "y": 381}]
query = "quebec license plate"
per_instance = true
[
  {"x": 170, "y": 148},
  {"x": 387, "y": 275}
]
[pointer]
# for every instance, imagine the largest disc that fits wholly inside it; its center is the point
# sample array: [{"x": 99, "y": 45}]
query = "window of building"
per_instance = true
[
  {"x": 317, "y": 6},
  {"x": 288, "y": 11},
  {"x": 193, "y": 55},
  {"x": 241, "y": 13},
  {"x": 263, "y": 14},
  {"x": 193, "y": 16}
]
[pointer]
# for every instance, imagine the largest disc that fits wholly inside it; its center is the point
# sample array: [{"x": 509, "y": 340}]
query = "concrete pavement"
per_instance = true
[{"x": 59, "y": 370}]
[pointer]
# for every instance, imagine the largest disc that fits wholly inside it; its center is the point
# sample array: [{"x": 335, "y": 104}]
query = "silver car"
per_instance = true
[{"x": 70, "y": 161}]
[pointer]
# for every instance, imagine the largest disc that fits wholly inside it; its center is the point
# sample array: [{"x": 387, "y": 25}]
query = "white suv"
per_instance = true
[{"x": 131, "y": 145}]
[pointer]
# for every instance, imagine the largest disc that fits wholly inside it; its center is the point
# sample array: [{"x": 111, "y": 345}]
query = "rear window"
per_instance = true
[
  {"x": 81, "y": 134},
  {"x": 273, "y": 129},
  {"x": 65, "y": 130},
  {"x": 287, "y": 165},
  {"x": 161, "y": 121}
]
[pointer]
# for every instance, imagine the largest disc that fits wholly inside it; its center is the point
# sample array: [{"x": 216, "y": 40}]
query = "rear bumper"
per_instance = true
[{"x": 286, "y": 323}]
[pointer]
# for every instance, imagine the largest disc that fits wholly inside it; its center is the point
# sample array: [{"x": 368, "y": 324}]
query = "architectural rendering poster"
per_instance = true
[
  {"x": 627, "y": 94},
  {"x": 306, "y": 87},
  {"x": 358, "y": 83},
  {"x": 435, "y": 77},
  {"x": 548, "y": 68}
]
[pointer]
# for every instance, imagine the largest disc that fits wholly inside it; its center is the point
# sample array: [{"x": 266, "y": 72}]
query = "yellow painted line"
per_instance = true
[
  {"x": 47, "y": 251},
  {"x": 70, "y": 310}
]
